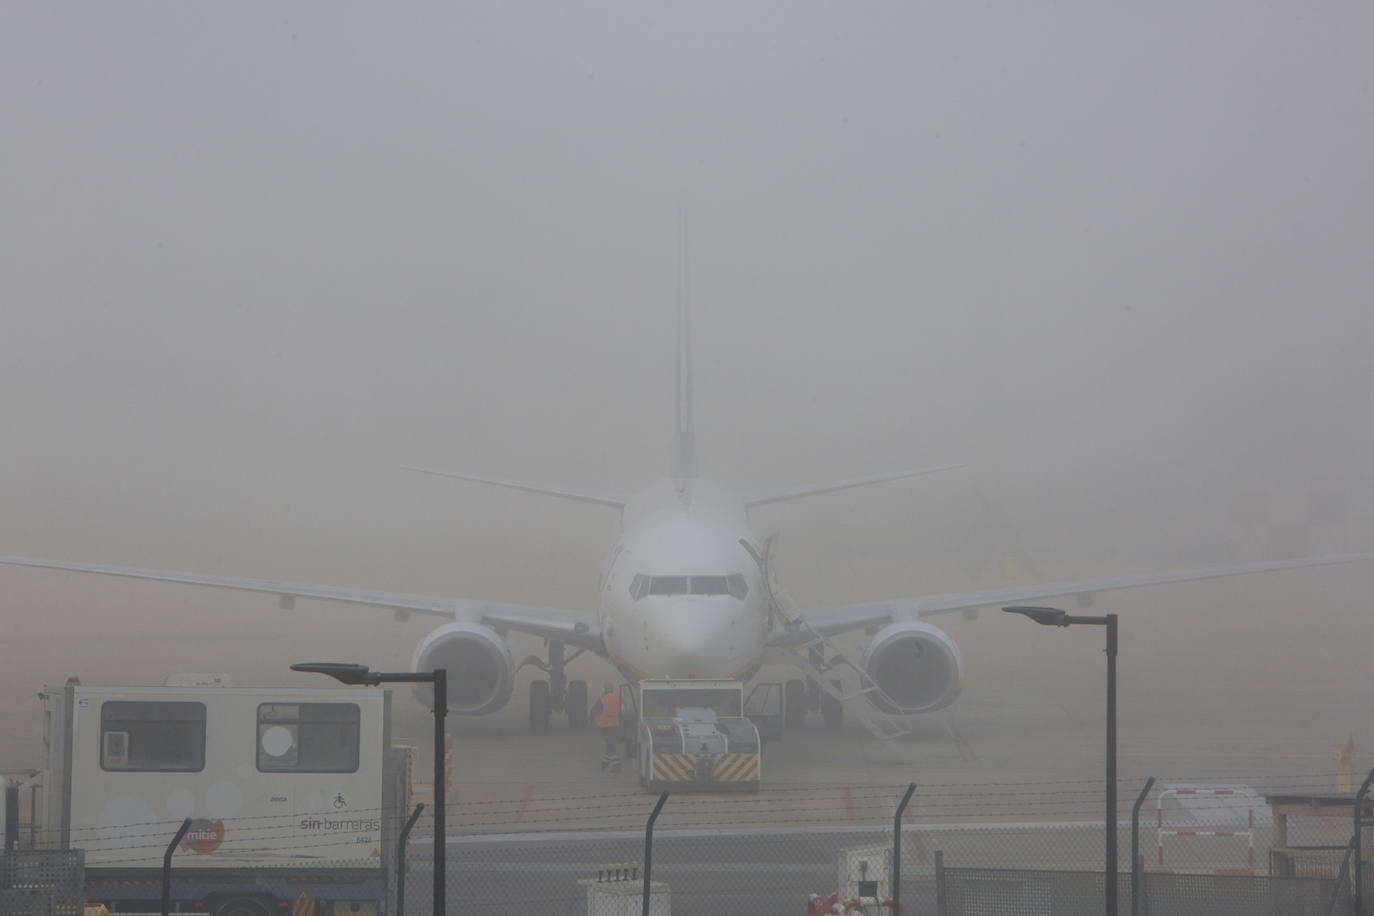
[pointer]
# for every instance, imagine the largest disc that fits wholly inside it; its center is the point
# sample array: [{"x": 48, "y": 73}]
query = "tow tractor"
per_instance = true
[{"x": 692, "y": 734}]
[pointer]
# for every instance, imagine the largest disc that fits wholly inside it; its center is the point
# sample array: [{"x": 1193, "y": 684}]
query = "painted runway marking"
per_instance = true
[{"x": 524, "y": 803}]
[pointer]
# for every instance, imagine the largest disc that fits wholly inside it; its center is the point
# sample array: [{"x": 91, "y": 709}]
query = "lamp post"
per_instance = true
[
  {"x": 361, "y": 674},
  {"x": 1053, "y": 617}
]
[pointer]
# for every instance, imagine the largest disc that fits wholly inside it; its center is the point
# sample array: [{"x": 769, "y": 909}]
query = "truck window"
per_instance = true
[
  {"x": 308, "y": 737},
  {"x": 724, "y": 702},
  {"x": 152, "y": 736}
]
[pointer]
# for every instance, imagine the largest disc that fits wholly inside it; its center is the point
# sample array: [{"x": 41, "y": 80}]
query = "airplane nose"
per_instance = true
[{"x": 706, "y": 637}]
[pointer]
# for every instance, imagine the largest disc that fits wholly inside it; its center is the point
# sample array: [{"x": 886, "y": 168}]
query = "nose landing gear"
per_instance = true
[{"x": 557, "y": 694}]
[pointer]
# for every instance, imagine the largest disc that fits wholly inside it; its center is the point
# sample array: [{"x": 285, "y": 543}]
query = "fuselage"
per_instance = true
[{"x": 681, "y": 597}]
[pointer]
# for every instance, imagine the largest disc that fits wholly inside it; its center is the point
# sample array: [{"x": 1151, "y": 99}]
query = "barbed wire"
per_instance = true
[{"x": 853, "y": 799}]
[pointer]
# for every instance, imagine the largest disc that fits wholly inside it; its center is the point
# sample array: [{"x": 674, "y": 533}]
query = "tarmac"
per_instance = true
[{"x": 1257, "y": 682}]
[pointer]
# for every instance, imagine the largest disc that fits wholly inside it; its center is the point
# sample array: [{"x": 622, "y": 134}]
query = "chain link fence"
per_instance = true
[
  {"x": 40, "y": 882},
  {"x": 1038, "y": 892},
  {"x": 761, "y": 871},
  {"x": 968, "y": 848},
  {"x": 965, "y": 849}
]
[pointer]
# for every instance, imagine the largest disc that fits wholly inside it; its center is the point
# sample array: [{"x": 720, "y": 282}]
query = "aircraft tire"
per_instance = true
[
  {"x": 539, "y": 705},
  {"x": 794, "y": 704},
  {"x": 832, "y": 713},
  {"x": 575, "y": 704}
]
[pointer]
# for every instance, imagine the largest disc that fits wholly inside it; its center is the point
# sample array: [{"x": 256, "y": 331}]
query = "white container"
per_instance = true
[{"x": 624, "y": 898}]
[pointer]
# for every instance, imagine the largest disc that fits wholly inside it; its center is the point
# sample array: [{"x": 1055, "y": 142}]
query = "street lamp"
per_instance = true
[
  {"x": 360, "y": 674},
  {"x": 1053, "y": 617}
]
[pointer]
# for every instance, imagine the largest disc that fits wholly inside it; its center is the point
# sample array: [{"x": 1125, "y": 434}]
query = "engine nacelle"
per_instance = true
[
  {"x": 478, "y": 666},
  {"x": 915, "y": 664}
]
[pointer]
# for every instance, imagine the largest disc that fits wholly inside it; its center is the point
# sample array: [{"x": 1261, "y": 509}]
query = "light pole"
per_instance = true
[
  {"x": 1053, "y": 617},
  {"x": 361, "y": 674}
]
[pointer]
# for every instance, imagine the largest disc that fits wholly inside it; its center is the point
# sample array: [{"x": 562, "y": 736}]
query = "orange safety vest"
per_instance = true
[{"x": 610, "y": 711}]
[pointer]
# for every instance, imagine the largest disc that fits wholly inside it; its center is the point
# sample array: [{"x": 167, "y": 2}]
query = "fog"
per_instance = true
[{"x": 257, "y": 257}]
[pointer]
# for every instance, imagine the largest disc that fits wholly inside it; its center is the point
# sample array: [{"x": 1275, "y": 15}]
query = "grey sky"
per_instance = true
[{"x": 255, "y": 256}]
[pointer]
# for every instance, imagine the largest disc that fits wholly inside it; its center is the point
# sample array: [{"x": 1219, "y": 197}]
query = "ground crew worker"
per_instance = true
[{"x": 607, "y": 715}]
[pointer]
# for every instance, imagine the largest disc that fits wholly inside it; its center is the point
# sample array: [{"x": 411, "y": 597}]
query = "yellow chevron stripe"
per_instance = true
[
  {"x": 674, "y": 767},
  {"x": 733, "y": 767},
  {"x": 661, "y": 771},
  {"x": 726, "y": 766},
  {"x": 721, "y": 767},
  {"x": 738, "y": 768}
]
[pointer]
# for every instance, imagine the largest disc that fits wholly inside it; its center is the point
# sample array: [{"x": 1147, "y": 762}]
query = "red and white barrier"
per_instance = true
[{"x": 1248, "y": 833}]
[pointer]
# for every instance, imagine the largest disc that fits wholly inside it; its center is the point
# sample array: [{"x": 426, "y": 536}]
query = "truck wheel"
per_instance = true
[
  {"x": 794, "y": 704},
  {"x": 575, "y": 704},
  {"x": 832, "y": 713},
  {"x": 242, "y": 906},
  {"x": 539, "y": 705}
]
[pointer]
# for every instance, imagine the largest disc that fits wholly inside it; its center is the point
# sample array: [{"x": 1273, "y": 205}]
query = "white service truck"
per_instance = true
[
  {"x": 692, "y": 734},
  {"x": 293, "y": 795}
]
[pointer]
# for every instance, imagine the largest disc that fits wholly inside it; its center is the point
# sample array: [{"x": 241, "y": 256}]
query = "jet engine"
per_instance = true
[
  {"x": 478, "y": 666},
  {"x": 915, "y": 664}
]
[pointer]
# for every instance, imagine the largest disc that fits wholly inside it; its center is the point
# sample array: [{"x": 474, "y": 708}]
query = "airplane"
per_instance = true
[{"x": 688, "y": 591}]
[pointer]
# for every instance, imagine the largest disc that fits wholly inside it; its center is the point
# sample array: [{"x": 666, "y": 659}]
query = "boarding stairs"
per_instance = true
[{"x": 821, "y": 659}]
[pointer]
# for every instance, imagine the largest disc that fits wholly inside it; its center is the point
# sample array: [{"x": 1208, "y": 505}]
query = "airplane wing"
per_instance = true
[
  {"x": 578, "y": 628},
  {"x": 832, "y": 620},
  {"x": 777, "y": 496}
]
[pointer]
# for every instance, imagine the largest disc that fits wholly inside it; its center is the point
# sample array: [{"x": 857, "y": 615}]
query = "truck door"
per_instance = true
[
  {"x": 763, "y": 706},
  {"x": 629, "y": 721}
]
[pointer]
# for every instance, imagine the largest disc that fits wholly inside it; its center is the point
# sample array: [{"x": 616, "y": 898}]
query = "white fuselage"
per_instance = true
[{"x": 680, "y": 595}]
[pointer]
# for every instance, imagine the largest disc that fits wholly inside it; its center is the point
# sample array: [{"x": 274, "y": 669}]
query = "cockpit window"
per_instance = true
[
  {"x": 733, "y": 585},
  {"x": 709, "y": 585},
  {"x": 668, "y": 585}
]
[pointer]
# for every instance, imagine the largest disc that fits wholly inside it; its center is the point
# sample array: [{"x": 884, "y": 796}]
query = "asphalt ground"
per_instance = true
[
  {"x": 1255, "y": 681},
  {"x": 1255, "y": 685},
  {"x": 761, "y": 871}
]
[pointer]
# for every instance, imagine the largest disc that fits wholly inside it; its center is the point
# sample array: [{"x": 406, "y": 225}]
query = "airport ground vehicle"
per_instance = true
[
  {"x": 290, "y": 792},
  {"x": 692, "y": 734}
]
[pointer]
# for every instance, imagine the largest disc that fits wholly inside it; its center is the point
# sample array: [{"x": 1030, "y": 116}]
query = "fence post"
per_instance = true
[
  {"x": 33, "y": 815},
  {"x": 401, "y": 859},
  {"x": 167, "y": 866},
  {"x": 897, "y": 849},
  {"x": 1342, "y": 879},
  {"x": 1135, "y": 846},
  {"x": 1358, "y": 840},
  {"x": 11, "y": 816},
  {"x": 941, "y": 902},
  {"x": 649, "y": 848}
]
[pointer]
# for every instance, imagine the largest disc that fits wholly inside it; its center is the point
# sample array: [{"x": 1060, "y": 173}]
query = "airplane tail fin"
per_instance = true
[
  {"x": 684, "y": 423},
  {"x": 583, "y": 496},
  {"x": 684, "y": 458},
  {"x": 777, "y": 496}
]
